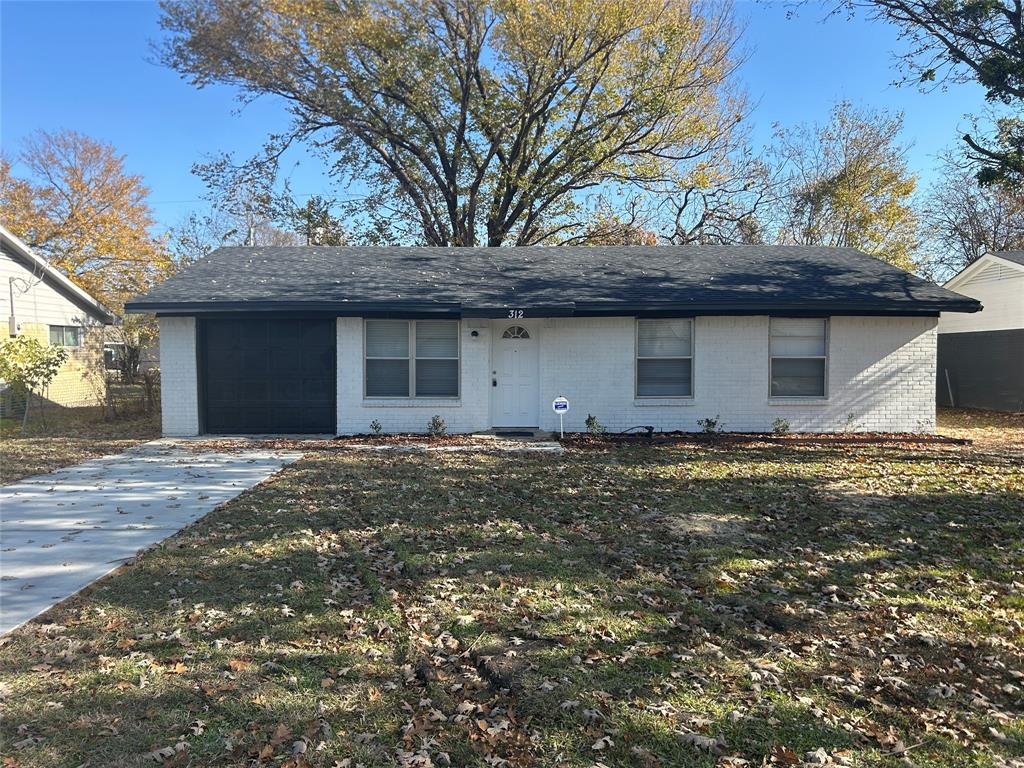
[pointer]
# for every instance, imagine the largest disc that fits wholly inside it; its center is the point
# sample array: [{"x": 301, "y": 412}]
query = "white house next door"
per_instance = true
[{"x": 515, "y": 376}]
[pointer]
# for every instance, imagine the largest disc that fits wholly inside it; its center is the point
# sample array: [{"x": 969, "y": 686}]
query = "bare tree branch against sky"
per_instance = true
[{"x": 97, "y": 67}]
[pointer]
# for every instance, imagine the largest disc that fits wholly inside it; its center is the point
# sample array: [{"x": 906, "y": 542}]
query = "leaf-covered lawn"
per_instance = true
[
  {"x": 989, "y": 430},
  {"x": 67, "y": 438},
  {"x": 687, "y": 606}
]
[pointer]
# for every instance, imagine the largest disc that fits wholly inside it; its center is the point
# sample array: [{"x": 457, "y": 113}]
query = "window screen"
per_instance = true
[
  {"x": 664, "y": 358},
  {"x": 387, "y": 358},
  {"x": 437, "y": 358},
  {"x": 412, "y": 358},
  {"x": 797, "y": 347}
]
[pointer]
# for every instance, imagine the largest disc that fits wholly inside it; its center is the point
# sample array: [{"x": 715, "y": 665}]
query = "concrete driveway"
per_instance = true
[{"x": 61, "y": 531}]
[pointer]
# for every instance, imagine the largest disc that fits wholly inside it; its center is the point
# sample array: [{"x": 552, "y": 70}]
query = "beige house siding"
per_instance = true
[
  {"x": 29, "y": 306},
  {"x": 80, "y": 381},
  {"x": 999, "y": 285}
]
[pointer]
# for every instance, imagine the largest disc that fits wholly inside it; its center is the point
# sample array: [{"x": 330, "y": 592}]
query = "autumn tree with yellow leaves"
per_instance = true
[
  {"x": 846, "y": 184},
  {"x": 476, "y": 122},
  {"x": 77, "y": 206}
]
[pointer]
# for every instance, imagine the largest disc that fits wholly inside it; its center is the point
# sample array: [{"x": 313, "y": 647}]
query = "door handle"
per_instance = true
[{"x": 494, "y": 382}]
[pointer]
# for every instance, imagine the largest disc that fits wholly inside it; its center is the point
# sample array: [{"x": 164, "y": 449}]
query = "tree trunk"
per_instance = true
[{"x": 24, "y": 416}]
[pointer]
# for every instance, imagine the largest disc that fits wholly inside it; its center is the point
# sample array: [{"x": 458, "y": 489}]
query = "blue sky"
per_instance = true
[{"x": 88, "y": 66}]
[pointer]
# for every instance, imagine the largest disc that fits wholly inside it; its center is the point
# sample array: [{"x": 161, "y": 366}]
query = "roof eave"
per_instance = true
[{"x": 919, "y": 308}]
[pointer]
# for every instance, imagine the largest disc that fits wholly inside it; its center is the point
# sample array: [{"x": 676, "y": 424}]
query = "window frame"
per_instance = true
[
  {"x": 825, "y": 358},
  {"x": 637, "y": 358},
  {"x": 411, "y": 357},
  {"x": 64, "y": 335}
]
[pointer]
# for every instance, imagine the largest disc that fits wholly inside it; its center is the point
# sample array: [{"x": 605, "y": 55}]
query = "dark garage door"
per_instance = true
[{"x": 268, "y": 376}]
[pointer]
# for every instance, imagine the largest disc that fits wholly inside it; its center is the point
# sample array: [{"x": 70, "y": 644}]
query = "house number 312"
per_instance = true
[{"x": 515, "y": 314}]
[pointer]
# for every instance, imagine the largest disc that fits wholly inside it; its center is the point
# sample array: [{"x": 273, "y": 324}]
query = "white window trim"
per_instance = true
[
  {"x": 425, "y": 399},
  {"x": 799, "y": 399},
  {"x": 642, "y": 399}
]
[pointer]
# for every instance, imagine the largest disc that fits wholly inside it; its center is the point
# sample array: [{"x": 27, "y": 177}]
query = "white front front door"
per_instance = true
[{"x": 515, "y": 376}]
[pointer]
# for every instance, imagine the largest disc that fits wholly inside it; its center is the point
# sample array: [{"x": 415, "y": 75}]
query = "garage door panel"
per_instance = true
[
  {"x": 319, "y": 335},
  {"x": 254, "y": 389},
  {"x": 223, "y": 336},
  {"x": 266, "y": 376},
  {"x": 287, "y": 333},
  {"x": 221, "y": 391},
  {"x": 290, "y": 359},
  {"x": 318, "y": 389}
]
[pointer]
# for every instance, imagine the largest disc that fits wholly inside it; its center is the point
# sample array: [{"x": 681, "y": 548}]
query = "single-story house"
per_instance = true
[
  {"x": 331, "y": 339},
  {"x": 981, "y": 357},
  {"x": 40, "y": 302}
]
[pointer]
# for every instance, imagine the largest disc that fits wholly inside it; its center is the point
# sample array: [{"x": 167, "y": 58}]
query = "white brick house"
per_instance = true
[{"x": 329, "y": 340}]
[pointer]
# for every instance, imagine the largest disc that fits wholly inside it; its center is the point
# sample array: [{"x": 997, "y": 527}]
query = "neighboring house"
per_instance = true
[
  {"x": 113, "y": 350},
  {"x": 40, "y": 302},
  {"x": 981, "y": 357},
  {"x": 328, "y": 340}
]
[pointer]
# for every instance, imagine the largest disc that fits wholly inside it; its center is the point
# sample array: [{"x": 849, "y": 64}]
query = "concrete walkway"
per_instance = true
[{"x": 61, "y": 531}]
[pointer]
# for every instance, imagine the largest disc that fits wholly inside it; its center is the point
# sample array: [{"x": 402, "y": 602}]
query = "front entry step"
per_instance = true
[{"x": 521, "y": 433}]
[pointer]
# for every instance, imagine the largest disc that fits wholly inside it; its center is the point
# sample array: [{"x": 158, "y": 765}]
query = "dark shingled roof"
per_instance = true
[
  {"x": 1015, "y": 256},
  {"x": 560, "y": 280}
]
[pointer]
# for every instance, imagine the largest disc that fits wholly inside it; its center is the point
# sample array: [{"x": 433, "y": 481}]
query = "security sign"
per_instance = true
[{"x": 560, "y": 405}]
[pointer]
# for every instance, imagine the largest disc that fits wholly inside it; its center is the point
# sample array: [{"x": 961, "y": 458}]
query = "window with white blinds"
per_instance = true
[
  {"x": 412, "y": 358},
  {"x": 664, "y": 358},
  {"x": 798, "y": 348}
]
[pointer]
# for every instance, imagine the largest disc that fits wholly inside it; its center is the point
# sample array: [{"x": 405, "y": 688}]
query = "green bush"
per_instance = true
[
  {"x": 436, "y": 427},
  {"x": 711, "y": 425},
  {"x": 28, "y": 367}
]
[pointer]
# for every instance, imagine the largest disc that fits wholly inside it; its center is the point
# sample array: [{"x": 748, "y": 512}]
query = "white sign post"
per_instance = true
[{"x": 560, "y": 405}]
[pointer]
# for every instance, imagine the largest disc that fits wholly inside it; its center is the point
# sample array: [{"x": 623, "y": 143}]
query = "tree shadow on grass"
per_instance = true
[{"x": 566, "y": 574}]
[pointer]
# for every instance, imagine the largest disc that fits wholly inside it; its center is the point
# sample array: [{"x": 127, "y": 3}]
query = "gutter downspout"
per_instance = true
[{"x": 12, "y": 321}]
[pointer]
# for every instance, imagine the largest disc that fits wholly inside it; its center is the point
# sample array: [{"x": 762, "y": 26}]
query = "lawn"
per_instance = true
[
  {"x": 68, "y": 437},
  {"x": 988, "y": 430},
  {"x": 670, "y": 606}
]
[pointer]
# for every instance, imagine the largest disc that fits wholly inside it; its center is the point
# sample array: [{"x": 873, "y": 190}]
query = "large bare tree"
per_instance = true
[
  {"x": 964, "y": 220},
  {"x": 477, "y": 121}
]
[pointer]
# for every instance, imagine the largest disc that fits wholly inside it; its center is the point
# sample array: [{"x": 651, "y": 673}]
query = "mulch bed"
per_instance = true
[
  {"x": 587, "y": 441},
  {"x": 583, "y": 440}
]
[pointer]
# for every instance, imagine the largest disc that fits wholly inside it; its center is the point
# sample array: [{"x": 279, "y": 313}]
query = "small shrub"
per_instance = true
[
  {"x": 28, "y": 367},
  {"x": 710, "y": 425},
  {"x": 780, "y": 426},
  {"x": 375, "y": 427},
  {"x": 594, "y": 426},
  {"x": 436, "y": 427}
]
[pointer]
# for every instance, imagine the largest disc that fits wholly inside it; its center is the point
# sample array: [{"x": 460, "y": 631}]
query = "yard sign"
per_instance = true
[{"x": 560, "y": 405}]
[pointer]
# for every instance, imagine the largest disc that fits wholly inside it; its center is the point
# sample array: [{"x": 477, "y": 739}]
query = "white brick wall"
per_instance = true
[
  {"x": 179, "y": 396},
  {"x": 469, "y": 413},
  {"x": 881, "y": 378}
]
